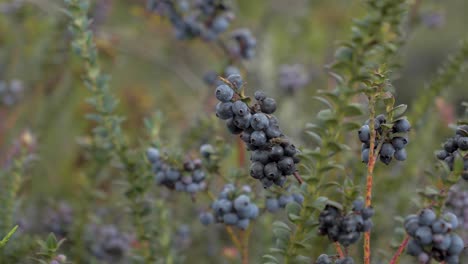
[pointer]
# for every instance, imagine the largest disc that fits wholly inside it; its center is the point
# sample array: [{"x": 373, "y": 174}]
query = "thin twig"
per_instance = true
[
  {"x": 298, "y": 177},
  {"x": 339, "y": 250},
  {"x": 400, "y": 250}
]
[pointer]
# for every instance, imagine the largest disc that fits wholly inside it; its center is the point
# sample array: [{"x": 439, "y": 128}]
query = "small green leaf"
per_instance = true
[
  {"x": 320, "y": 203},
  {"x": 316, "y": 138},
  {"x": 293, "y": 218},
  {"x": 326, "y": 114},
  {"x": 399, "y": 110},
  {"x": 293, "y": 208},
  {"x": 279, "y": 224},
  {"x": 353, "y": 110},
  {"x": 323, "y": 100},
  {"x": 271, "y": 258}
]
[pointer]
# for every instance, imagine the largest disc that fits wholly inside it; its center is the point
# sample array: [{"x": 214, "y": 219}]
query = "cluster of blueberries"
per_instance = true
[
  {"x": 108, "y": 244},
  {"x": 325, "y": 259},
  {"x": 59, "y": 220},
  {"x": 454, "y": 147},
  {"x": 346, "y": 229},
  {"x": 11, "y": 92},
  {"x": 245, "y": 44},
  {"x": 457, "y": 203},
  {"x": 432, "y": 237},
  {"x": 273, "y": 204},
  {"x": 205, "y": 18},
  {"x": 190, "y": 179},
  {"x": 392, "y": 147},
  {"x": 232, "y": 207},
  {"x": 292, "y": 78},
  {"x": 273, "y": 156}
]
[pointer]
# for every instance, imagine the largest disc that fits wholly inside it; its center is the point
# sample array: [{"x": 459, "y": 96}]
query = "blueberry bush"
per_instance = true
[{"x": 222, "y": 131}]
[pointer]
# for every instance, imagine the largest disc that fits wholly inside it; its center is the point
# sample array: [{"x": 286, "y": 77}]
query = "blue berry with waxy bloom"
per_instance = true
[{"x": 224, "y": 93}]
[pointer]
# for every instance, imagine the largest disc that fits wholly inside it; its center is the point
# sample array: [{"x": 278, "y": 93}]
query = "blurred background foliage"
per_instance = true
[{"x": 152, "y": 71}]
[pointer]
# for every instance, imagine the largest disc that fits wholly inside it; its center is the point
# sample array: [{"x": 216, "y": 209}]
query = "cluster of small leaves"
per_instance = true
[
  {"x": 345, "y": 229},
  {"x": 233, "y": 207},
  {"x": 325, "y": 259},
  {"x": 191, "y": 178},
  {"x": 11, "y": 92},
  {"x": 48, "y": 251},
  {"x": 432, "y": 237},
  {"x": 277, "y": 200},
  {"x": 447, "y": 75},
  {"x": 273, "y": 156},
  {"x": 108, "y": 133},
  {"x": 392, "y": 144},
  {"x": 292, "y": 78},
  {"x": 455, "y": 152}
]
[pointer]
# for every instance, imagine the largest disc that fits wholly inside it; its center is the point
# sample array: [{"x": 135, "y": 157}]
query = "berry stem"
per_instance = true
[
  {"x": 245, "y": 245},
  {"x": 241, "y": 153},
  {"x": 402, "y": 247},
  {"x": 298, "y": 177},
  {"x": 370, "y": 171},
  {"x": 234, "y": 238},
  {"x": 339, "y": 250}
]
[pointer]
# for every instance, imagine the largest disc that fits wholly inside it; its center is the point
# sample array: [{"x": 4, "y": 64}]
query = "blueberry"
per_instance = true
[
  {"x": 243, "y": 224},
  {"x": 367, "y": 225},
  {"x": 442, "y": 242},
  {"x": 401, "y": 125},
  {"x": 220, "y": 24},
  {"x": 400, "y": 155},
  {"x": 273, "y": 131},
  {"x": 198, "y": 176},
  {"x": 241, "y": 202},
  {"x": 440, "y": 226},
  {"x": 427, "y": 217},
  {"x": 153, "y": 155},
  {"x": 224, "y": 110},
  {"x": 258, "y": 138},
  {"x": 364, "y": 134},
  {"x": 252, "y": 211},
  {"x": 267, "y": 183},
  {"x": 284, "y": 200},
  {"x": 240, "y": 108},
  {"x": 424, "y": 235},
  {"x": 365, "y": 155},
  {"x": 245, "y": 136},
  {"x": 173, "y": 175},
  {"x": 452, "y": 260},
  {"x": 268, "y": 105},
  {"x": 442, "y": 154},
  {"x": 324, "y": 259},
  {"x": 231, "y": 70},
  {"x": 457, "y": 245},
  {"x": 358, "y": 205},
  {"x": 450, "y": 145},
  {"x": 286, "y": 165},
  {"x": 387, "y": 150},
  {"x": 232, "y": 127},
  {"x": 463, "y": 143},
  {"x": 346, "y": 260},
  {"x": 399, "y": 142},
  {"x": 242, "y": 122},
  {"x": 235, "y": 80},
  {"x": 272, "y": 205},
  {"x": 452, "y": 219},
  {"x": 259, "y": 121},
  {"x": 260, "y": 95},
  {"x": 290, "y": 150},
  {"x": 271, "y": 171},
  {"x": 385, "y": 160},
  {"x": 224, "y": 205},
  {"x": 256, "y": 170},
  {"x": 276, "y": 153},
  {"x": 206, "y": 218},
  {"x": 423, "y": 258},
  {"x": 411, "y": 225},
  {"x": 193, "y": 188},
  {"x": 261, "y": 156},
  {"x": 230, "y": 219},
  {"x": 381, "y": 119},
  {"x": 224, "y": 93},
  {"x": 413, "y": 248},
  {"x": 298, "y": 198}
]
